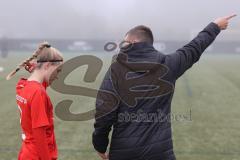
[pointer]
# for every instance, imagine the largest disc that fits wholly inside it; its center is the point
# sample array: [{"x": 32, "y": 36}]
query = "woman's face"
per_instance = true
[{"x": 52, "y": 72}]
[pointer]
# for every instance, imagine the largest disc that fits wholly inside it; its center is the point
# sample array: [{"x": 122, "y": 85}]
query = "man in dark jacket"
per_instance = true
[{"x": 142, "y": 82}]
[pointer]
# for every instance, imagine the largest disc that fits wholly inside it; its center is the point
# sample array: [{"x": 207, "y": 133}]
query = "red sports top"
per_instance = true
[{"x": 36, "y": 111}]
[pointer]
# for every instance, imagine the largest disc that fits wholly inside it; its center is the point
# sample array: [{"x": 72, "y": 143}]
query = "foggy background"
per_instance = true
[
  {"x": 84, "y": 26},
  {"x": 111, "y": 19}
]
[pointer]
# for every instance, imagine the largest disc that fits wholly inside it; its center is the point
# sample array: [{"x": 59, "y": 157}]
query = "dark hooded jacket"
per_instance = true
[{"x": 142, "y": 80}]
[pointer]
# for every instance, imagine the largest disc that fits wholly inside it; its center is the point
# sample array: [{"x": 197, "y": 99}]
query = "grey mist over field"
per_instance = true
[{"x": 110, "y": 19}]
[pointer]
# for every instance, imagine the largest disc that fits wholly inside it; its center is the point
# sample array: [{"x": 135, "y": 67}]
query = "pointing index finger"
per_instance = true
[{"x": 231, "y": 16}]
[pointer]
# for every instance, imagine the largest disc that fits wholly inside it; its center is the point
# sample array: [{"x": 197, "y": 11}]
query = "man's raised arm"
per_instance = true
[{"x": 186, "y": 56}]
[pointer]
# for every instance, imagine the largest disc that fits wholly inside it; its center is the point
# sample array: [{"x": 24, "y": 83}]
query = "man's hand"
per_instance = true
[
  {"x": 103, "y": 155},
  {"x": 222, "y": 22}
]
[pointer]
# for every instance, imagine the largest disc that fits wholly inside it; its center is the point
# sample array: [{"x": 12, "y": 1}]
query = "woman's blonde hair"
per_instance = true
[{"x": 44, "y": 53}]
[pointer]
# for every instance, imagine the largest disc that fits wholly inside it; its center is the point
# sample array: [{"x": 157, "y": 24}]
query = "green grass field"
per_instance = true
[{"x": 211, "y": 90}]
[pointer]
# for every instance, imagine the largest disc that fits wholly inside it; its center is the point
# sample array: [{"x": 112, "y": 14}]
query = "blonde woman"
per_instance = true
[{"x": 35, "y": 106}]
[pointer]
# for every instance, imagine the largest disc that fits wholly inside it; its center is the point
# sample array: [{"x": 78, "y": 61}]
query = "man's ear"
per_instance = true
[
  {"x": 131, "y": 39},
  {"x": 135, "y": 41},
  {"x": 127, "y": 38}
]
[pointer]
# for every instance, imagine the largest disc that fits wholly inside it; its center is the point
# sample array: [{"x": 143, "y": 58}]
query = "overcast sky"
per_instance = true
[{"x": 110, "y": 19}]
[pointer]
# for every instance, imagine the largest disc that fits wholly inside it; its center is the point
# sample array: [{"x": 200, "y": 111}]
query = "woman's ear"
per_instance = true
[{"x": 46, "y": 65}]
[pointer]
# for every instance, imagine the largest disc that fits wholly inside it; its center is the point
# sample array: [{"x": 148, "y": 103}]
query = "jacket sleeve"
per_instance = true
[
  {"x": 106, "y": 114},
  {"x": 189, "y": 54}
]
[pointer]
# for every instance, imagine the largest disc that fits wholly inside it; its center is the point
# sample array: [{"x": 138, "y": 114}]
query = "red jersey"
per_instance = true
[{"x": 36, "y": 111}]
